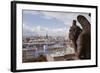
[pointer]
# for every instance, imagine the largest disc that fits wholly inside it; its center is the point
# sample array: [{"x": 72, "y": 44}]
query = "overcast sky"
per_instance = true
[{"x": 46, "y": 22}]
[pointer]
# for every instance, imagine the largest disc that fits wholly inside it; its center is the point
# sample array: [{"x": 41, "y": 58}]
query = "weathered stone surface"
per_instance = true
[
  {"x": 81, "y": 38},
  {"x": 84, "y": 40},
  {"x": 74, "y": 33}
]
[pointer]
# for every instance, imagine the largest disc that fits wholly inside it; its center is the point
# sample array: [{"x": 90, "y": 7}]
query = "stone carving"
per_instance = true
[
  {"x": 74, "y": 33},
  {"x": 81, "y": 38}
]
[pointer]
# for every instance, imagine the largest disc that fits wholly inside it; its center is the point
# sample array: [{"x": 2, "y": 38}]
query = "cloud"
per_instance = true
[
  {"x": 40, "y": 30},
  {"x": 53, "y": 32},
  {"x": 26, "y": 27},
  {"x": 31, "y": 12},
  {"x": 66, "y": 17},
  {"x": 27, "y": 31}
]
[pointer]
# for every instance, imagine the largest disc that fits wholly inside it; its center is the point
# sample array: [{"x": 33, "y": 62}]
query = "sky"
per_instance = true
[{"x": 48, "y": 22}]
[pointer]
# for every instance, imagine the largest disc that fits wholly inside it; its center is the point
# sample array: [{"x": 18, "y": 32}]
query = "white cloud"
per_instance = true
[
  {"x": 31, "y": 12},
  {"x": 65, "y": 17},
  {"x": 39, "y": 30},
  {"x": 44, "y": 30},
  {"x": 27, "y": 31},
  {"x": 26, "y": 27}
]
